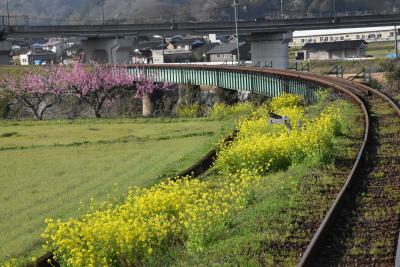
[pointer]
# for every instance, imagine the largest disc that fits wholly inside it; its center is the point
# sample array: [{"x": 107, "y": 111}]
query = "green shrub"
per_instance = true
[{"x": 190, "y": 111}]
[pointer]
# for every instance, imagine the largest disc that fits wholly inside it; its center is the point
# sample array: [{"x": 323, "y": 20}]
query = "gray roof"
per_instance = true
[
  {"x": 149, "y": 45},
  {"x": 224, "y": 48},
  {"x": 188, "y": 41},
  {"x": 340, "y": 45}
]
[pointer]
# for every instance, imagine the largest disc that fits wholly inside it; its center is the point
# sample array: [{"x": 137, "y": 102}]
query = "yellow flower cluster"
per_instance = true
[
  {"x": 263, "y": 147},
  {"x": 188, "y": 212},
  {"x": 220, "y": 111},
  {"x": 286, "y": 101},
  {"x": 148, "y": 223},
  {"x": 189, "y": 111}
]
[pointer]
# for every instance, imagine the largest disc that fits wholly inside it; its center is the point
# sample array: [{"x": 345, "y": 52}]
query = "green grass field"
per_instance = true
[
  {"x": 49, "y": 168},
  {"x": 380, "y": 49}
]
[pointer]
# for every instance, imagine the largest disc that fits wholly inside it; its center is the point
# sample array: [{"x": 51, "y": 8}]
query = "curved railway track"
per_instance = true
[{"x": 361, "y": 227}]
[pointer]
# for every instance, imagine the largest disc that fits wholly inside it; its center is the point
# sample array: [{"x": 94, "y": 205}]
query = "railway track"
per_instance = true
[{"x": 362, "y": 226}]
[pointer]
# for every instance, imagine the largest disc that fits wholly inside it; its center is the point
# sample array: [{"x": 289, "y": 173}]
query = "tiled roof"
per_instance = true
[
  {"x": 340, "y": 45},
  {"x": 224, "y": 48}
]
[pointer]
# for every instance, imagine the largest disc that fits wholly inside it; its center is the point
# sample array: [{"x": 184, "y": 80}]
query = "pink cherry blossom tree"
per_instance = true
[
  {"x": 96, "y": 85},
  {"x": 38, "y": 91},
  {"x": 99, "y": 84}
]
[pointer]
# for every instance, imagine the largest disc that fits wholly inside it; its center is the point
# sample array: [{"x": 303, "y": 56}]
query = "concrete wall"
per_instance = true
[
  {"x": 336, "y": 54},
  {"x": 222, "y": 57},
  {"x": 107, "y": 50},
  {"x": 5, "y": 58},
  {"x": 273, "y": 47},
  {"x": 5, "y": 50}
]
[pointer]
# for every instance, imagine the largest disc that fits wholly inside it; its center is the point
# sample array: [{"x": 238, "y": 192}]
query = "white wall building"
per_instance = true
[
  {"x": 24, "y": 59},
  {"x": 375, "y": 34}
]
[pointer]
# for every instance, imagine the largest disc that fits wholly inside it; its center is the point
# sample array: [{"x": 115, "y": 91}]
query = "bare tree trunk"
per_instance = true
[
  {"x": 147, "y": 105},
  {"x": 37, "y": 115},
  {"x": 97, "y": 113},
  {"x": 218, "y": 98},
  {"x": 181, "y": 93}
]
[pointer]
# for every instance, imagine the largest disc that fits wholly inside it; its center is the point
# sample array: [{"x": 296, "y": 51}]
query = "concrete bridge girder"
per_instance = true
[
  {"x": 5, "y": 50},
  {"x": 271, "y": 47},
  {"x": 107, "y": 50}
]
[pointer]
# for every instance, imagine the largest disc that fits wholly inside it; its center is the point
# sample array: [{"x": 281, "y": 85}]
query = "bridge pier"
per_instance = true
[
  {"x": 5, "y": 50},
  {"x": 107, "y": 50},
  {"x": 270, "y": 47}
]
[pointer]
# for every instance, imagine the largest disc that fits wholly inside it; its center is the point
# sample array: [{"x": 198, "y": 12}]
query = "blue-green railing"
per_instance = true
[{"x": 252, "y": 80}]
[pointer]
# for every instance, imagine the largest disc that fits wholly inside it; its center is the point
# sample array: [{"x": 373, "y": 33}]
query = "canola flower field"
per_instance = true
[
  {"x": 49, "y": 167},
  {"x": 178, "y": 222}
]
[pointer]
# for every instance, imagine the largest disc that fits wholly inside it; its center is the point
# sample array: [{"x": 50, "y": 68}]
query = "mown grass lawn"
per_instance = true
[{"x": 49, "y": 168}]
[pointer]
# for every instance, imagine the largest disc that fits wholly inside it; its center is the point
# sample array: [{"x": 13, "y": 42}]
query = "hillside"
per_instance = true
[{"x": 160, "y": 10}]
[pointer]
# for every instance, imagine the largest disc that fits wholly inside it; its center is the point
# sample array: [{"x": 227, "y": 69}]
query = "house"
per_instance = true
[
  {"x": 38, "y": 57},
  {"x": 187, "y": 44},
  {"x": 72, "y": 47},
  {"x": 53, "y": 45},
  {"x": 24, "y": 58},
  {"x": 142, "y": 56},
  {"x": 172, "y": 56},
  {"x": 142, "y": 51},
  {"x": 228, "y": 52},
  {"x": 335, "y": 50},
  {"x": 214, "y": 38},
  {"x": 200, "y": 53}
]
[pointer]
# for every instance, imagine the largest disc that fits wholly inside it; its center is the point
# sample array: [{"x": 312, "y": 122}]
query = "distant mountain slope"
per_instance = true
[{"x": 160, "y": 10}]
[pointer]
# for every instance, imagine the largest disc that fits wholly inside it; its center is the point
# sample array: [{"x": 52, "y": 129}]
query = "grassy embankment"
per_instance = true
[
  {"x": 284, "y": 212},
  {"x": 49, "y": 168},
  {"x": 258, "y": 206}
]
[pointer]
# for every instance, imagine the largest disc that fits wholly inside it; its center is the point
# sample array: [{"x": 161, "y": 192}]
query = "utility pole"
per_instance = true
[
  {"x": 395, "y": 41},
  {"x": 102, "y": 9},
  {"x": 163, "y": 52},
  {"x": 235, "y": 5},
  {"x": 281, "y": 9},
  {"x": 8, "y": 14},
  {"x": 334, "y": 8},
  {"x": 172, "y": 12}
]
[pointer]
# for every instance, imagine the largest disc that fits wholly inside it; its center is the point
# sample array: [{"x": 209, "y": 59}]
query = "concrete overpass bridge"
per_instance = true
[{"x": 269, "y": 38}]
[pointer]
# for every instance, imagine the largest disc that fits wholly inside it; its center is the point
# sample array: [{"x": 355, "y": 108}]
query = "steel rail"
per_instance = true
[
  {"x": 350, "y": 89},
  {"x": 397, "y": 109},
  {"x": 318, "y": 238},
  {"x": 314, "y": 244}
]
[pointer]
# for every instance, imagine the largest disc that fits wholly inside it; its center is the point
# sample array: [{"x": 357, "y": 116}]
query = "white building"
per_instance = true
[
  {"x": 335, "y": 50},
  {"x": 374, "y": 34},
  {"x": 24, "y": 59},
  {"x": 171, "y": 56}
]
